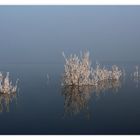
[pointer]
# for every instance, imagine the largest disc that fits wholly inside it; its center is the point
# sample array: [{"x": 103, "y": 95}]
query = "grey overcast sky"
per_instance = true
[{"x": 39, "y": 34}]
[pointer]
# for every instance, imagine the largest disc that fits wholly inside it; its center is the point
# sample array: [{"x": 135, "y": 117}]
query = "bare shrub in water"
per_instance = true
[
  {"x": 6, "y": 86},
  {"x": 136, "y": 72},
  {"x": 136, "y": 76},
  {"x": 78, "y": 71}
]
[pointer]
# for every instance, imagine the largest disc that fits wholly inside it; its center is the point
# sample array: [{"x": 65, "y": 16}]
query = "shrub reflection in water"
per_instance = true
[
  {"x": 6, "y": 100},
  {"x": 76, "y": 98},
  {"x": 8, "y": 92}
]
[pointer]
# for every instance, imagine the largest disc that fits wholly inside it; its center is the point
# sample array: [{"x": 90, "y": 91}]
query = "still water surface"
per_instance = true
[{"x": 43, "y": 106}]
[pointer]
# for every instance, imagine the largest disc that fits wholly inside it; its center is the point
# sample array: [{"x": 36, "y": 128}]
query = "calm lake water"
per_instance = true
[
  {"x": 43, "y": 106},
  {"x": 32, "y": 39}
]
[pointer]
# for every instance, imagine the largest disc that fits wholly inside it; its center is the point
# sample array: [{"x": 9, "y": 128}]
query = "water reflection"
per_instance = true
[
  {"x": 136, "y": 76},
  {"x": 136, "y": 81},
  {"x": 6, "y": 100},
  {"x": 114, "y": 85},
  {"x": 76, "y": 98}
]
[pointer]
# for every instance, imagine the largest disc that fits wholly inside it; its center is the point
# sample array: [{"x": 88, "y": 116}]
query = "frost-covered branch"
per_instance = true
[
  {"x": 6, "y": 86},
  {"x": 78, "y": 71}
]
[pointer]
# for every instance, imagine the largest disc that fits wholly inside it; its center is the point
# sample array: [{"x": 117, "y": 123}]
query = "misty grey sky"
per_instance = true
[{"x": 39, "y": 34}]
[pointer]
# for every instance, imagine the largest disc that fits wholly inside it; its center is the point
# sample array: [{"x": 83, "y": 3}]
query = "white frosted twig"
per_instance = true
[
  {"x": 6, "y": 86},
  {"x": 78, "y": 71}
]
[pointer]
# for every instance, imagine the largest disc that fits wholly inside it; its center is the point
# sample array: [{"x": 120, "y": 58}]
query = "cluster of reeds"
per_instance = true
[
  {"x": 78, "y": 71},
  {"x": 6, "y": 86}
]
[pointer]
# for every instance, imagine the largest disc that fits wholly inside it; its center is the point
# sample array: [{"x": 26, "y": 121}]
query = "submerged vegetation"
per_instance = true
[
  {"x": 6, "y": 86},
  {"x": 78, "y": 71}
]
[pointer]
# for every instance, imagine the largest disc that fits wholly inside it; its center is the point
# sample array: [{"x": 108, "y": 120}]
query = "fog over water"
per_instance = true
[
  {"x": 32, "y": 39},
  {"x": 39, "y": 34}
]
